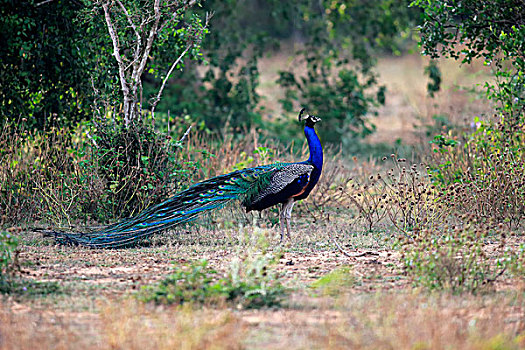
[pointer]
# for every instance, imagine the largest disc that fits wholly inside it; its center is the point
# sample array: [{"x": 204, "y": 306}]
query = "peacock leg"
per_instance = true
[
  {"x": 282, "y": 219},
  {"x": 287, "y": 209}
]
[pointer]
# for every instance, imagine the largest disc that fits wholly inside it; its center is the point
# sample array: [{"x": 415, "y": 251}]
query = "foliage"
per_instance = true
[
  {"x": 434, "y": 75},
  {"x": 221, "y": 91},
  {"x": 8, "y": 245},
  {"x": 193, "y": 284},
  {"x": 490, "y": 29},
  {"x": 458, "y": 259},
  {"x": 66, "y": 174},
  {"x": 18, "y": 288},
  {"x": 224, "y": 93},
  {"x": 45, "y": 175},
  {"x": 198, "y": 284},
  {"x": 138, "y": 166},
  {"x": 342, "y": 40},
  {"x": 43, "y": 71}
]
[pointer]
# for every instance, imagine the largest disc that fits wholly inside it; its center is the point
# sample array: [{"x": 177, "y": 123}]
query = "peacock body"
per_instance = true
[{"x": 255, "y": 188}]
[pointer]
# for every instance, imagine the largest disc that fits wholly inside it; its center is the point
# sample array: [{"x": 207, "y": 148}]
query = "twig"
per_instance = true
[
  {"x": 185, "y": 134},
  {"x": 43, "y": 2},
  {"x": 350, "y": 255}
]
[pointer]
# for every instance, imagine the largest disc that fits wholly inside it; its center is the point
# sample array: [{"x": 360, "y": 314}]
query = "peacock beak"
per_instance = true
[{"x": 301, "y": 114}]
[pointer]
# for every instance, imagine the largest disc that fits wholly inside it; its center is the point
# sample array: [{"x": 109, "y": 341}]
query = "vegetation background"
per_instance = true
[{"x": 413, "y": 238}]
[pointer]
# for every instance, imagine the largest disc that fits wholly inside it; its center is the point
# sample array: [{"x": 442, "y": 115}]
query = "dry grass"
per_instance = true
[
  {"x": 399, "y": 321},
  {"x": 381, "y": 320},
  {"x": 121, "y": 325}
]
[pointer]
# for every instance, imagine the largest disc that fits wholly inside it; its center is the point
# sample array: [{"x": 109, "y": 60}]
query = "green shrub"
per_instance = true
[
  {"x": 194, "y": 283},
  {"x": 491, "y": 30},
  {"x": 94, "y": 172},
  {"x": 8, "y": 245},
  {"x": 138, "y": 165},
  {"x": 247, "y": 285}
]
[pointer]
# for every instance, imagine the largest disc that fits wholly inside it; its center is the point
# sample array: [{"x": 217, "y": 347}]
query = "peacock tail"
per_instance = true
[{"x": 243, "y": 186}]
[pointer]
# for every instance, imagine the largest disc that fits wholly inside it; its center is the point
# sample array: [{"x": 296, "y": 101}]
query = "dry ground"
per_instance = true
[{"x": 376, "y": 308}]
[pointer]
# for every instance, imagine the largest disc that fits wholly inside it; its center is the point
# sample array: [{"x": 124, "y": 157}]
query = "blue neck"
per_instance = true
[{"x": 316, "y": 150}]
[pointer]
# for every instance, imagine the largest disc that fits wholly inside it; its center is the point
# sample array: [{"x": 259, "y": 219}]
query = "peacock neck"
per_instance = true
[{"x": 314, "y": 144}]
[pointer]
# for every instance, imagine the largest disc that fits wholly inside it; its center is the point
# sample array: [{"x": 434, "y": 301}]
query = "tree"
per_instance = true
[
  {"x": 340, "y": 41},
  {"x": 144, "y": 36},
  {"x": 343, "y": 40},
  {"x": 493, "y": 30},
  {"x": 43, "y": 72}
]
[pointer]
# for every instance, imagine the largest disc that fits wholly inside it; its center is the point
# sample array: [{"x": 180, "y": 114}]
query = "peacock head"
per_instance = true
[{"x": 310, "y": 120}]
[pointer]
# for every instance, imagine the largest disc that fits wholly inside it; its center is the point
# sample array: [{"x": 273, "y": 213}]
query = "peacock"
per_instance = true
[{"x": 255, "y": 188}]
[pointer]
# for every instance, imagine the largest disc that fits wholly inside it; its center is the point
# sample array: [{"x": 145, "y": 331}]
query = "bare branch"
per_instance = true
[
  {"x": 137, "y": 34},
  {"x": 185, "y": 134},
  {"x": 177, "y": 61},
  {"x": 149, "y": 42},
  {"x": 43, "y": 2},
  {"x": 118, "y": 57}
]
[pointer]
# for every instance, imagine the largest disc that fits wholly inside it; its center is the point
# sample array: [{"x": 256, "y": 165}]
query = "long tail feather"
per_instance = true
[{"x": 183, "y": 207}]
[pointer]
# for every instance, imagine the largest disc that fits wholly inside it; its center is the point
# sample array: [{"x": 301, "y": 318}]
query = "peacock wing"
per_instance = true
[{"x": 283, "y": 182}]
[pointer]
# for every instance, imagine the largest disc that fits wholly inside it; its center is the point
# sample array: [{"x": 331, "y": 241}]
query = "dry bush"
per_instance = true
[
  {"x": 332, "y": 198},
  {"x": 220, "y": 155},
  {"x": 388, "y": 194},
  {"x": 41, "y": 176},
  {"x": 460, "y": 259},
  {"x": 411, "y": 199},
  {"x": 483, "y": 173}
]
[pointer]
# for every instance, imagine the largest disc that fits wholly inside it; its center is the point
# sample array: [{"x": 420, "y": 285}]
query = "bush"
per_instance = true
[
  {"x": 92, "y": 172},
  {"x": 8, "y": 245},
  {"x": 138, "y": 166},
  {"x": 484, "y": 175},
  {"x": 246, "y": 286},
  {"x": 460, "y": 259},
  {"x": 42, "y": 175}
]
